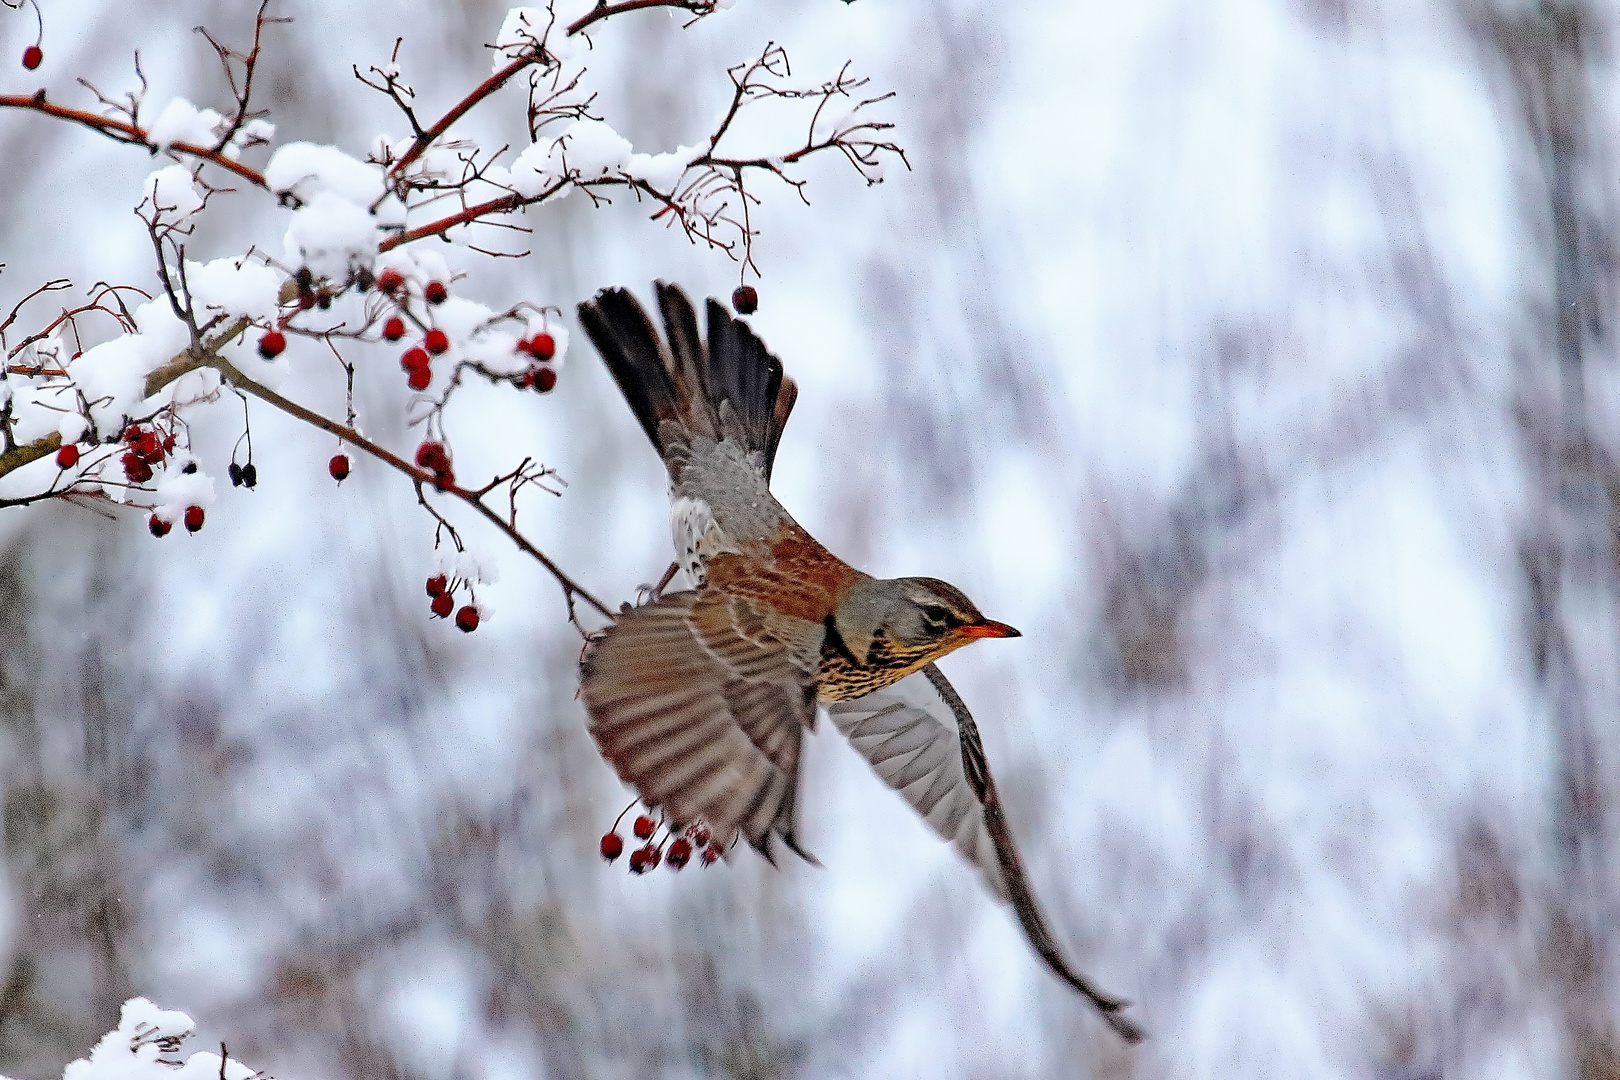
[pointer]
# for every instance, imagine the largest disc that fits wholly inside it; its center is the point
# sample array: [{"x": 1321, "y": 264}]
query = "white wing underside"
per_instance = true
[{"x": 908, "y": 733}]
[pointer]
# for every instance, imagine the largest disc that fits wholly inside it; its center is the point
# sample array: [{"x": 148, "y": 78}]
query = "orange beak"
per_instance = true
[{"x": 988, "y": 628}]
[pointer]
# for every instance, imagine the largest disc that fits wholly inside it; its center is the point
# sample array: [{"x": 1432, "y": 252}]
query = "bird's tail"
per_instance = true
[{"x": 730, "y": 386}]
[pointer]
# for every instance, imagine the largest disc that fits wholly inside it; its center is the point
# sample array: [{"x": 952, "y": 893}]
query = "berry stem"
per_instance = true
[{"x": 570, "y": 587}]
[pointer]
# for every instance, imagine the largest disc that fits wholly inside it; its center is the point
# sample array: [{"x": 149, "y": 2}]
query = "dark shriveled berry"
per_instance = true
[
  {"x": 745, "y": 299},
  {"x": 443, "y": 605},
  {"x": 235, "y": 473},
  {"x": 250, "y": 475},
  {"x": 612, "y": 846},
  {"x": 545, "y": 379},
  {"x": 194, "y": 518}
]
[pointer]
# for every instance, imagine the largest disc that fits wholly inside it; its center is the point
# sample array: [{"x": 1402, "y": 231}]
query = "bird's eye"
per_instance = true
[{"x": 937, "y": 615}]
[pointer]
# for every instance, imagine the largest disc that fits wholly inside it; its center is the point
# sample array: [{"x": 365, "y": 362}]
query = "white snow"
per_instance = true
[
  {"x": 328, "y": 233},
  {"x": 143, "y": 1047},
  {"x": 170, "y": 194},
  {"x": 177, "y": 489},
  {"x": 182, "y": 122},
  {"x": 662, "y": 171},
  {"x": 112, "y": 375},
  {"x": 304, "y": 170},
  {"x": 234, "y": 287}
]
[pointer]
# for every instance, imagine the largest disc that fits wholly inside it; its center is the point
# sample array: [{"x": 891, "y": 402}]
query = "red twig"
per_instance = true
[{"x": 120, "y": 131}]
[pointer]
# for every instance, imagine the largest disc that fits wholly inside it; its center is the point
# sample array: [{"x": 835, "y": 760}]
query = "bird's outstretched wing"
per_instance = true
[
  {"x": 907, "y": 732},
  {"x": 921, "y": 740},
  {"x": 699, "y": 701}
]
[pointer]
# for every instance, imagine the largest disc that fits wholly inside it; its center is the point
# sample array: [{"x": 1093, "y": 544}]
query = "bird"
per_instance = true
[{"x": 700, "y": 699}]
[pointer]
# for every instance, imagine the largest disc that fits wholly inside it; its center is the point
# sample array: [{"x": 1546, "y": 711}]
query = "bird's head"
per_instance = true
[{"x": 910, "y": 620}]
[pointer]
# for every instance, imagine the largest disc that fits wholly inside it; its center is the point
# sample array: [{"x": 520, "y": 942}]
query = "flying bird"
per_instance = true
[{"x": 700, "y": 699}]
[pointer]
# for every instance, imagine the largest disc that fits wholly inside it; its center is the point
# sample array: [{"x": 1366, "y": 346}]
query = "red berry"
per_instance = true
[
  {"x": 442, "y": 605},
  {"x": 545, "y": 379},
  {"x": 168, "y": 443},
  {"x": 680, "y": 853},
  {"x": 745, "y": 299},
  {"x": 541, "y": 346},
  {"x": 467, "y": 619},
  {"x": 435, "y": 292},
  {"x": 644, "y": 827},
  {"x": 138, "y": 471},
  {"x": 33, "y": 56},
  {"x": 394, "y": 328},
  {"x": 711, "y": 854},
  {"x": 194, "y": 518},
  {"x": 699, "y": 835},
  {"x": 444, "y": 480},
  {"x": 436, "y": 341},
  {"x": 339, "y": 467},
  {"x": 67, "y": 457},
  {"x": 419, "y": 378},
  {"x": 159, "y": 527},
  {"x": 414, "y": 359},
  {"x": 638, "y": 860},
  {"x": 146, "y": 447},
  {"x": 390, "y": 280},
  {"x": 612, "y": 846},
  {"x": 654, "y": 856},
  {"x": 437, "y": 584},
  {"x": 433, "y": 457},
  {"x": 271, "y": 345}
]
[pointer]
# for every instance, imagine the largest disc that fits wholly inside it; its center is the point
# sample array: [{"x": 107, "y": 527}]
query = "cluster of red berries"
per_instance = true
[
  {"x": 193, "y": 521},
  {"x": 415, "y": 361},
  {"x": 676, "y": 849},
  {"x": 145, "y": 448},
  {"x": 433, "y": 457},
  {"x": 542, "y": 376},
  {"x": 443, "y": 594}
]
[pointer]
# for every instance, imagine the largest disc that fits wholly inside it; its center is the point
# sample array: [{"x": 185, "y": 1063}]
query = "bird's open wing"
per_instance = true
[
  {"x": 920, "y": 737},
  {"x": 700, "y": 705},
  {"x": 908, "y": 733}
]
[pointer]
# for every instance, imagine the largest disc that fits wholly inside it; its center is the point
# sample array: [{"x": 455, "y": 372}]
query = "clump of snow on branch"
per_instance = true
[
  {"x": 234, "y": 287},
  {"x": 112, "y": 376},
  {"x": 145, "y": 1046},
  {"x": 182, "y": 122},
  {"x": 170, "y": 195}
]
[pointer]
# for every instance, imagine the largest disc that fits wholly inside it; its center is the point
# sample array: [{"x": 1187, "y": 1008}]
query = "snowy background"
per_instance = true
[{"x": 1255, "y": 359}]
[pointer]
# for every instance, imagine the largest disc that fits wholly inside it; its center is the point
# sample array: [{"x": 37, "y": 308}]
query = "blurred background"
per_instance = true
[{"x": 1255, "y": 359}]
